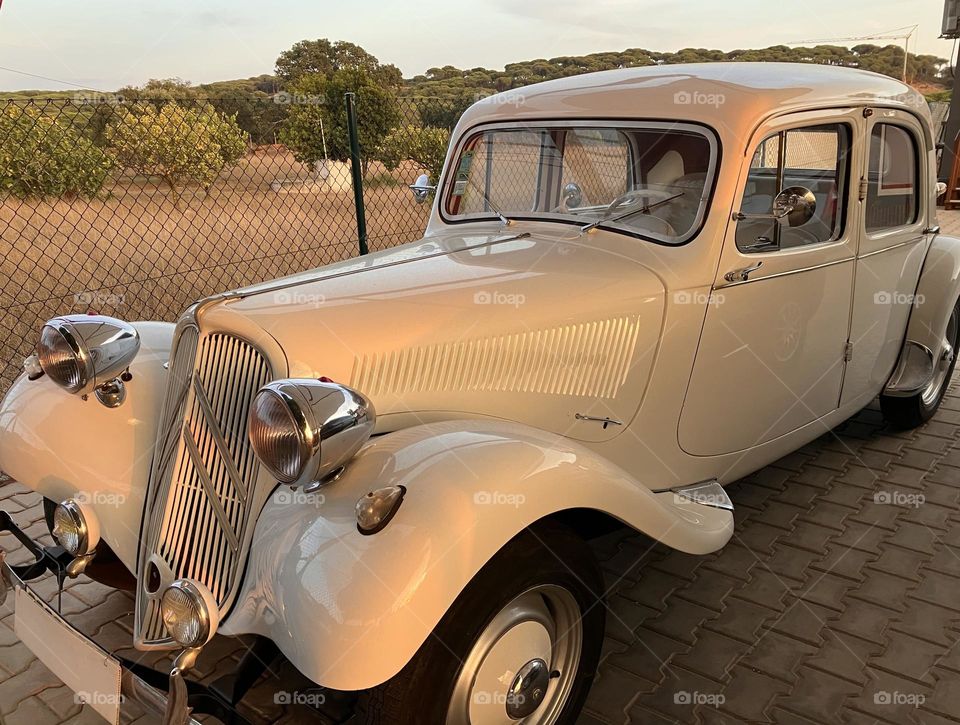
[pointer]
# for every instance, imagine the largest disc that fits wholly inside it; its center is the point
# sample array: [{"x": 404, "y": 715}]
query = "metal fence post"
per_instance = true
[{"x": 357, "y": 171}]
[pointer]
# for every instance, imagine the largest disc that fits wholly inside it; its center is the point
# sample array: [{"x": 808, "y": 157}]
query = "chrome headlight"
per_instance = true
[
  {"x": 304, "y": 431},
  {"x": 75, "y": 528},
  {"x": 189, "y": 613},
  {"x": 82, "y": 352}
]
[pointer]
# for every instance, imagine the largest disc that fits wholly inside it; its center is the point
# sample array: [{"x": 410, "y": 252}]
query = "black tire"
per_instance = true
[
  {"x": 914, "y": 411},
  {"x": 545, "y": 555}
]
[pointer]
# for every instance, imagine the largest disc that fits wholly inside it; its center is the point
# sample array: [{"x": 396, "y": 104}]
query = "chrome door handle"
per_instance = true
[{"x": 742, "y": 275}]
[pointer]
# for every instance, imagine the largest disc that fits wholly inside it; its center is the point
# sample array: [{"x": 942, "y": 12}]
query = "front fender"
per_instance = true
[
  {"x": 351, "y": 610},
  {"x": 60, "y": 445}
]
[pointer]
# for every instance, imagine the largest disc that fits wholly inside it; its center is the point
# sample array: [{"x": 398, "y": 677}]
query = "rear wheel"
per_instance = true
[
  {"x": 917, "y": 409},
  {"x": 520, "y": 644}
]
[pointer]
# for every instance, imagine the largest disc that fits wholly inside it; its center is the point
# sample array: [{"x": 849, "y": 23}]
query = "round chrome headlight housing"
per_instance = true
[
  {"x": 82, "y": 352},
  {"x": 189, "y": 613},
  {"x": 62, "y": 358},
  {"x": 75, "y": 528},
  {"x": 305, "y": 430}
]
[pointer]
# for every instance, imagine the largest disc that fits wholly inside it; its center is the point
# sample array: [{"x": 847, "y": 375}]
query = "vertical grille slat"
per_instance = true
[{"x": 202, "y": 481}]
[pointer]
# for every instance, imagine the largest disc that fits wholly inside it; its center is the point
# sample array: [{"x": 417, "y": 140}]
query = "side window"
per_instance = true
[
  {"x": 893, "y": 181},
  {"x": 813, "y": 157}
]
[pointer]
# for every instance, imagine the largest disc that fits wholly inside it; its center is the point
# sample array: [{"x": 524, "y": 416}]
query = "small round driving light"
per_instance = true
[
  {"x": 377, "y": 508},
  {"x": 61, "y": 357},
  {"x": 189, "y": 613},
  {"x": 75, "y": 529}
]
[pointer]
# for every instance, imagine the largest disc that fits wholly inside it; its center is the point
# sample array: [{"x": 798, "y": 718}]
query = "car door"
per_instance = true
[
  {"x": 891, "y": 248},
  {"x": 771, "y": 354}
]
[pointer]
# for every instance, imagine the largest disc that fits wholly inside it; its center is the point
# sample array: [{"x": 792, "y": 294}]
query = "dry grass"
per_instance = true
[{"x": 137, "y": 255}]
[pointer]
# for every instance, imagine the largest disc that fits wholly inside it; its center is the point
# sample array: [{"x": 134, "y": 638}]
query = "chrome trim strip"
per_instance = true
[
  {"x": 218, "y": 440},
  {"x": 212, "y": 498},
  {"x": 785, "y": 273}
]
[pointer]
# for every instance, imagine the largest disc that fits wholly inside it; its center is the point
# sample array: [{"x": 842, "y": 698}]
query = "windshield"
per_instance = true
[{"x": 652, "y": 180}]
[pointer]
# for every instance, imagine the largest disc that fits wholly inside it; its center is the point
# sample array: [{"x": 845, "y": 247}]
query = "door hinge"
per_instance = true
[
  {"x": 864, "y": 186},
  {"x": 848, "y": 352}
]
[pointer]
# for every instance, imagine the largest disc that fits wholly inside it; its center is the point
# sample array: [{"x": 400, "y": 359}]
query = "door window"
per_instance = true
[
  {"x": 893, "y": 180},
  {"x": 812, "y": 157}
]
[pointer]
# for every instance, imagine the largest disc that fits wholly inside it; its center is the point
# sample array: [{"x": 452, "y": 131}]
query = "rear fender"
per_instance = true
[
  {"x": 62, "y": 446},
  {"x": 351, "y": 610},
  {"x": 937, "y": 292}
]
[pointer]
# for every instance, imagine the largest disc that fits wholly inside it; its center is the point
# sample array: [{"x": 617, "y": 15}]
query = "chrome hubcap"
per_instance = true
[
  {"x": 528, "y": 689},
  {"x": 524, "y": 663}
]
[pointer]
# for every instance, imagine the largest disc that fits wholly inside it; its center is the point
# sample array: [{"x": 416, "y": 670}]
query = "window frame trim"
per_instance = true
[
  {"x": 845, "y": 172},
  {"x": 907, "y": 124},
  {"x": 534, "y": 124}
]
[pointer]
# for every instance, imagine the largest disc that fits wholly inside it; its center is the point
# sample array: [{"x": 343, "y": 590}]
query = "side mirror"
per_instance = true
[
  {"x": 792, "y": 207},
  {"x": 421, "y": 188}
]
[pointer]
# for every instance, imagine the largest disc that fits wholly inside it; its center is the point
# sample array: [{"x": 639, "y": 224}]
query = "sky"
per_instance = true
[{"x": 107, "y": 44}]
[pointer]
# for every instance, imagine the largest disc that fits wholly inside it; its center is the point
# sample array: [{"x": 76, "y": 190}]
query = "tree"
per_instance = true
[
  {"x": 325, "y": 58},
  {"x": 43, "y": 157},
  {"x": 427, "y": 147},
  {"x": 318, "y": 116},
  {"x": 178, "y": 144}
]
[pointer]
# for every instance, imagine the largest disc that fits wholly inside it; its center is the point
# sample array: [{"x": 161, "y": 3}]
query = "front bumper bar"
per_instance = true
[{"x": 147, "y": 687}]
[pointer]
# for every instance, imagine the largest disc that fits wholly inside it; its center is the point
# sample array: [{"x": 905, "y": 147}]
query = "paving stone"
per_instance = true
[
  {"x": 777, "y": 655},
  {"x": 750, "y": 694},
  {"x": 843, "y": 655},
  {"x": 818, "y": 695}
]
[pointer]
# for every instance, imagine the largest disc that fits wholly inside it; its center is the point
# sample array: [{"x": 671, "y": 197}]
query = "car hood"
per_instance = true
[{"x": 530, "y": 328}]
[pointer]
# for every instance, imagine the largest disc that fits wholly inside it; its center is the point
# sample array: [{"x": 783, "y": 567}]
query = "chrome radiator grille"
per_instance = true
[{"x": 203, "y": 472}]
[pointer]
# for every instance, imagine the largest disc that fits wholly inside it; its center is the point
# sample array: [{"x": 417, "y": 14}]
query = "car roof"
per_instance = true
[{"x": 732, "y": 97}]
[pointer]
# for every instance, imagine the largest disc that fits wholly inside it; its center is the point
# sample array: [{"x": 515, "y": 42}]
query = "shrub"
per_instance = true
[
  {"x": 41, "y": 156},
  {"x": 425, "y": 146},
  {"x": 178, "y": 144}
]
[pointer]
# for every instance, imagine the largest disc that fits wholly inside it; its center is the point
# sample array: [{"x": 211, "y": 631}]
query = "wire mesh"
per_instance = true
[{"x": 138, "y": 208}]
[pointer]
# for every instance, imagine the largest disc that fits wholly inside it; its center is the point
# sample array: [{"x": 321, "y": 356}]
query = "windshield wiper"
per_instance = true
[
  {"x": 643, "y": 210},
  {"x": 488, "y": 202}
]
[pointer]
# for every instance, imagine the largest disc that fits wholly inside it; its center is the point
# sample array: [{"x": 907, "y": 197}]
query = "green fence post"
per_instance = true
[{"x": 357, "y": 171}]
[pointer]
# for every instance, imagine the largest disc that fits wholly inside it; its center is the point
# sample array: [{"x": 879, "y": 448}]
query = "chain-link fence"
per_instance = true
[{"x": 136, "y": 208}]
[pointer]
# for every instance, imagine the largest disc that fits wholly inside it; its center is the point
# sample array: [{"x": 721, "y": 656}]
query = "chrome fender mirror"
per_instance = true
[
  {"x": 422, "y": 189},
  {"x": 792, "y": 207}
]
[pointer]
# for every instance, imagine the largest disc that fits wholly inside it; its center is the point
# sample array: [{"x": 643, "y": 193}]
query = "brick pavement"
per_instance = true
[{"x": 838, "y": 599}]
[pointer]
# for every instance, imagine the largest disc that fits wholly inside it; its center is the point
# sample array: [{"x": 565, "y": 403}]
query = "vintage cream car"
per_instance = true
[{"x": 635, "y": 287}]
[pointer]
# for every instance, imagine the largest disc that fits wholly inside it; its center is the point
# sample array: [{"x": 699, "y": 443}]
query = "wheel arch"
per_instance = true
[
  {"x": 937, "y": 293},
  {"x": 351, "y": 610}
]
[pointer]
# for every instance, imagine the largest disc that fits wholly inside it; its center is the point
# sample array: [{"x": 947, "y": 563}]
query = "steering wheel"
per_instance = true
[{"x": 635, "y": 196}]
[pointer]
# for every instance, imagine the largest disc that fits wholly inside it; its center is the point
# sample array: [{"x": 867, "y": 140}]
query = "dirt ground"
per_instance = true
[{"x": 137, "y": 254}]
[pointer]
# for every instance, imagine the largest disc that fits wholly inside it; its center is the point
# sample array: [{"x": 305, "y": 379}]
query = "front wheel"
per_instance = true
[
  {"x": 520, "y": 644},
  {"x": 920, "y": 407}
]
